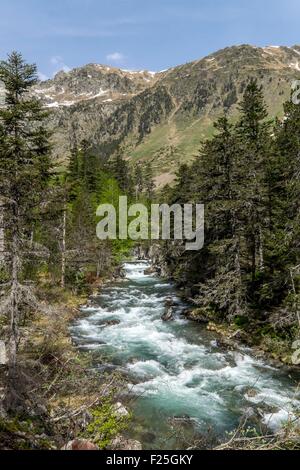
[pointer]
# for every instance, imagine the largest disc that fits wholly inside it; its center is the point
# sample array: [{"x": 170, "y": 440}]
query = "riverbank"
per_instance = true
[
  {"x": 179, "y": 375},
  {"x": 263, "y": 342},
  {"x": 271, "y": 338},
  {"x": 58, "y": 401}
]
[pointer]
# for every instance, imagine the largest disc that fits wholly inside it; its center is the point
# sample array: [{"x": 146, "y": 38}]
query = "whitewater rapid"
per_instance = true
[{"x": 183, "y": 382}]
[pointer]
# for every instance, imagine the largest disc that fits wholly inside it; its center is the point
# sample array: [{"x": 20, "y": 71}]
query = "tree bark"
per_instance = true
[
  {"x": 63, "y": 248},
  {"x": 14, "y": 310},
  {"x": 2, "y": 235}
]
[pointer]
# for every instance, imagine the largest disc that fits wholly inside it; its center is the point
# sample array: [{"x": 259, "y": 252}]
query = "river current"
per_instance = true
[{"x": 183, "y": 383}]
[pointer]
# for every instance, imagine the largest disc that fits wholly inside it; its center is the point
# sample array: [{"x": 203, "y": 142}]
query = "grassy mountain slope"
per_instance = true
[{"x": 162, "y": 117}]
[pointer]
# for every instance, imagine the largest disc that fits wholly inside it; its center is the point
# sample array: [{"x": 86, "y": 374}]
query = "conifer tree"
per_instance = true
[
  {"x": 149, "y": 181},
  {"x": 254, "y": 143},
  {"x": 121, "y": 172},
  {"x": 217, "y": 187},
  {"x": 73, "y": 171},
  {"x": 24, "y": 170},
  {"x": 286, "y": 219},
  {"x": 138, "y": 181}
]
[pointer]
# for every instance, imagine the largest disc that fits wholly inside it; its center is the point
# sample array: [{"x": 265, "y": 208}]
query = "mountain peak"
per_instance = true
[{"x": 92, "y": 81}]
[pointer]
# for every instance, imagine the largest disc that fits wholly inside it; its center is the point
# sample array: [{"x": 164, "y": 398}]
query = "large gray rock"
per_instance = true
[
  {"x": 168, "y": 315},
  {"x": 120, "y": 410}
]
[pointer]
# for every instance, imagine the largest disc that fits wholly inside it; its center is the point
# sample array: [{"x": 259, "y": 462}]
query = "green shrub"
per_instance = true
[{"x": 106, "y": 424}]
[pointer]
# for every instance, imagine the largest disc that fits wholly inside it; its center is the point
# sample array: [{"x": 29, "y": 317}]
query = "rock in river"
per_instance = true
[{"x": 168, "y": 315}]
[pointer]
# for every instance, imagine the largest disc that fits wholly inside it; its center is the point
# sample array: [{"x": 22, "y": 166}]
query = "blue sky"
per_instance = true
[{"x": 140, "y": 34}]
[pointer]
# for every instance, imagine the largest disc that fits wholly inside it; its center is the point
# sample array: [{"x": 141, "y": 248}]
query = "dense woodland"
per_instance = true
[
  {"x": 248, "y": 178},
  {"x": 247, "y": 175},
  {"x": 50, "y": 256}
]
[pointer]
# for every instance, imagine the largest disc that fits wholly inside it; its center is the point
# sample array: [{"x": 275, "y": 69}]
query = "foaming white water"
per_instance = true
[
  {"x": 136, "y": 271},
  {"x": 176, "y": 367},
  {"x": 147, "y": 368}
]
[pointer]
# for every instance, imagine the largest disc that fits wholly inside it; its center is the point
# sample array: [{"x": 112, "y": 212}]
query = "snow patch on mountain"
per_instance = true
[
  {"x": 295, "y": 50},
  {"x": 295, "y": 65}
]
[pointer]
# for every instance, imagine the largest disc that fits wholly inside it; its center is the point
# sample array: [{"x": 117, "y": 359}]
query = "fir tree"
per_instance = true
[
  {"x": 254, "y": 143},
  {"x": 24, "y": 164},
  {"x": 217, "y": 187},
  {"x": 149, "y": 181},
  {"x": 138, "y": 180},
  {"x": 121, "y": 172}
]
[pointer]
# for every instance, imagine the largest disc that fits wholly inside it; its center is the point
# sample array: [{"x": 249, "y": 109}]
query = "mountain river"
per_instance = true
[{"x": 181, "y": 383}]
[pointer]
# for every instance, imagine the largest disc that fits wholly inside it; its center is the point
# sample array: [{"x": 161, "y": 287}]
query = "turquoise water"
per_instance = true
[{"x": 182, "y": 383}]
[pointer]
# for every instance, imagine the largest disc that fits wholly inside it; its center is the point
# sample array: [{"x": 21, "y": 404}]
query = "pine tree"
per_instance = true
[
  {"x": 285, "y": 233},
  {"x": 24, "y": 165},
  {"x": 121, "y": 172},
  {"x": 215, "y": 183},
  {"x": 149, "y": 181},
  {"x": 138, "y": 180},
  {"x": 73, "y": 171},
  {"x": 182, "y": 189},
  {"x": 254, "y": 144}
]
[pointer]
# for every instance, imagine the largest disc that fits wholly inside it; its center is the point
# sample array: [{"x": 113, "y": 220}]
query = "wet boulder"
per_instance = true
[
  {"x": 253, "y": 415},
  {"x": 151, "y": 270},
  {"x": 111, "y": 322},
  {"x": 168, "y": 315},
  {"x": 169, "y": 302},
  {"x": 251, "y": 393},
  {"x": 169, "y": 310}
]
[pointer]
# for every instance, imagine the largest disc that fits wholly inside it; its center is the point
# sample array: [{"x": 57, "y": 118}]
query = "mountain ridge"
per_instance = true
[{"x": 161, "y": 116}]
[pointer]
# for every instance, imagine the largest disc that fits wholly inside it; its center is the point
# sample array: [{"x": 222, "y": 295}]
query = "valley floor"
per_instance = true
[{"x": 60, "y": 400}]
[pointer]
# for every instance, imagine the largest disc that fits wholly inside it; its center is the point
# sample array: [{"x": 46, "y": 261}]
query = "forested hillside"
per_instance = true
[{"x": 247, "y": 176}]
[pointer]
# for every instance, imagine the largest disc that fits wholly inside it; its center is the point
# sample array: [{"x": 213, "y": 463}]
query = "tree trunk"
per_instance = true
[
  {"x": 296, "y": 303},
  {"x": 2, "y": 239},
  {"x": 14, "y": 312},
  {"x": 238, "y": 274},
  {"x": 253, "y": 256},
  {"x": 63, "y": 248}
]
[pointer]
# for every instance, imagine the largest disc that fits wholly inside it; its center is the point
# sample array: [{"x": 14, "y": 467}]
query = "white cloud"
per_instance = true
[
  {"x": 59, "y": 64},
  {"x": 116, "y": 57},
  {"x": 42, "y": 76}
]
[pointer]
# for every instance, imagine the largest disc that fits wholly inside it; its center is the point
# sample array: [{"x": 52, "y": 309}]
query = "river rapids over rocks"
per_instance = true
[{"x": 185, "y": 386}]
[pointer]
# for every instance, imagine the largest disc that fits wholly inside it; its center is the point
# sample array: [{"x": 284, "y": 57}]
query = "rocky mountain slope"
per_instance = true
[{"x": 161, "y": 116}]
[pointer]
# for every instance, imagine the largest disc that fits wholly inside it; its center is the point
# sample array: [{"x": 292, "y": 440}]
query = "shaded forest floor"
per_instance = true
[{"x": 56, "y": 395}]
